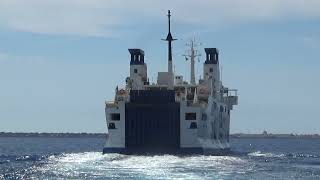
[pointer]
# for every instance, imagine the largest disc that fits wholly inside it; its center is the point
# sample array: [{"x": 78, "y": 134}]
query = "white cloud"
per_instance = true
[
  {"x": 58, "y": 17},
  {"x": 103, "y": 17}
]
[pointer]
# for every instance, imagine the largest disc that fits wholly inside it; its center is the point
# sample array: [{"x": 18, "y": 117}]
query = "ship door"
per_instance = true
[{"x": 155, "y": 126}]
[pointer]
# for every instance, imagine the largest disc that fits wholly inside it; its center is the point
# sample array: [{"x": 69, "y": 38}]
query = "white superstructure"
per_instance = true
[{"x": 170, "y": 115}]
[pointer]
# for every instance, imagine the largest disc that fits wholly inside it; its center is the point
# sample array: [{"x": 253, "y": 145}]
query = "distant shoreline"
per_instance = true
[
  {"x": 73, "y": 135},
  {"x": 241, "y": 135},
  {"x": 103, "y": 135}
]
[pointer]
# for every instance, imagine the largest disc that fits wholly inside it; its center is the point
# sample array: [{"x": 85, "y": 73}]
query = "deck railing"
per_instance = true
[{"x": 111, "y": 104}]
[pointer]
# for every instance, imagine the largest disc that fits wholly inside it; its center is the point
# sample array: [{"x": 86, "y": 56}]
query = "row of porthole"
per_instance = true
[
  {"x": 204, "y": 117},
  {"x": 193, "y": 125},
  {"x": 221, "y": 108},
  {"x": 192, "y": 116}
]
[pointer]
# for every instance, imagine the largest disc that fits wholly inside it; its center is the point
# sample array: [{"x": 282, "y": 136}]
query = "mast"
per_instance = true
[
  {"x": 192, "y": 55},
  {"x": 192, "y": 76},
  {"x": 169, "y": 39}
]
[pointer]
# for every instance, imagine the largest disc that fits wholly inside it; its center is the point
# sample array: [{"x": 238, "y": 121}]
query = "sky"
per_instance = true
[{"x": 60, "y": 60}]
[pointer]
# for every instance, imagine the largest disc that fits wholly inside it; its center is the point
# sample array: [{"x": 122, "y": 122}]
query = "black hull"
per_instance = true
[{"x": 157, "y": 151}]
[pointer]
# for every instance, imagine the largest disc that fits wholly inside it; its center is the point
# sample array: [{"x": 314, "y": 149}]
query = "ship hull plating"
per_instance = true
[{"x": 153, "y": 123}]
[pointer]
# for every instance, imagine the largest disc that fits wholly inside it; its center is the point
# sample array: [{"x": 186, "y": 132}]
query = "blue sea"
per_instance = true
[{"x": 81, "y": 158}]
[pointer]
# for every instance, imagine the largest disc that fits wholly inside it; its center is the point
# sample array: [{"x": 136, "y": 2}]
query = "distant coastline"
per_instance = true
[
  {"x": 63, "y": 135},
  {"x": 264, "y": 135},
  {"x": 103, "y": 135}
]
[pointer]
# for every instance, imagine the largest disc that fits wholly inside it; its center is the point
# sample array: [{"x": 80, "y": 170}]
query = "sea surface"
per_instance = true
[{"x": 81, "y": 158}]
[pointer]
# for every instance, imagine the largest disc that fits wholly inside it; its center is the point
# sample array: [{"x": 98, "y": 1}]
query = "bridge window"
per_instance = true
[
  {"x": 111, "y": 126},
  {"x": 211, "y": 69},
  {"x": 115, "y": 116},
  {"x": 135, "y": 70},
  {"x": 191, "y": 116},
  {"x": 193, "y": 125}
]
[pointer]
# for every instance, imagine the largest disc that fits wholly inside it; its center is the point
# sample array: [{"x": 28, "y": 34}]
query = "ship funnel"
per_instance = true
[
  {"x": 137, "y": 56},
  {"x": 212, "y": 55}
]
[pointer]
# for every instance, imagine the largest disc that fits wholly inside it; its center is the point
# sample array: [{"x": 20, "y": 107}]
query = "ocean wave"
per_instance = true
[
  {"x": 268, "y": 155},
  {"x": 18, "y": 158},
  {"x": 281, "y": 155},
  {"x": 301, "y": 155},
  {"x": 95, "y": 165},
  {"x": 4, "y": 161}
]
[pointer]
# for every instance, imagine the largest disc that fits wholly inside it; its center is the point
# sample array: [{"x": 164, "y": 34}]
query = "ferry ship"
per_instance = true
[{"x": 170, "y": 115}]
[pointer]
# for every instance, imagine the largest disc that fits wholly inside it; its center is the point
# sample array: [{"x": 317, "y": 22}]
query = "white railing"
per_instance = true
[{"x": 111, "y": 103}]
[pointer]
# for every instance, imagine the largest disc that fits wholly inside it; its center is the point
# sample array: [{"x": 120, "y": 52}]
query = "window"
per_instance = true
[
  {"x": 221, "y": 109},
  {"x": 213, "y": 133},
  {"x": 191, "y": 116},
  {"x": 135, "y": 70},
  {"x": 193, "y": 125},
  {"x": 212, "y": 110},
  {"x": 211, "y": 69},
  {"x": 111, "y": 126},
  {"x": 115, "y": 116},
  {"x": 204, "y": 117}
]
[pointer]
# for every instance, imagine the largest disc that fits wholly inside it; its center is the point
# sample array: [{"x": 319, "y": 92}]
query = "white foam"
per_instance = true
[
  {"x": 269, "y": 155},
  {"x": 94, "y": 164}
]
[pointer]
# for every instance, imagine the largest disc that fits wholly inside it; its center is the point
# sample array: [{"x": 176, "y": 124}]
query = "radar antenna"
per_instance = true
[{"x": 192, "y": 54}]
